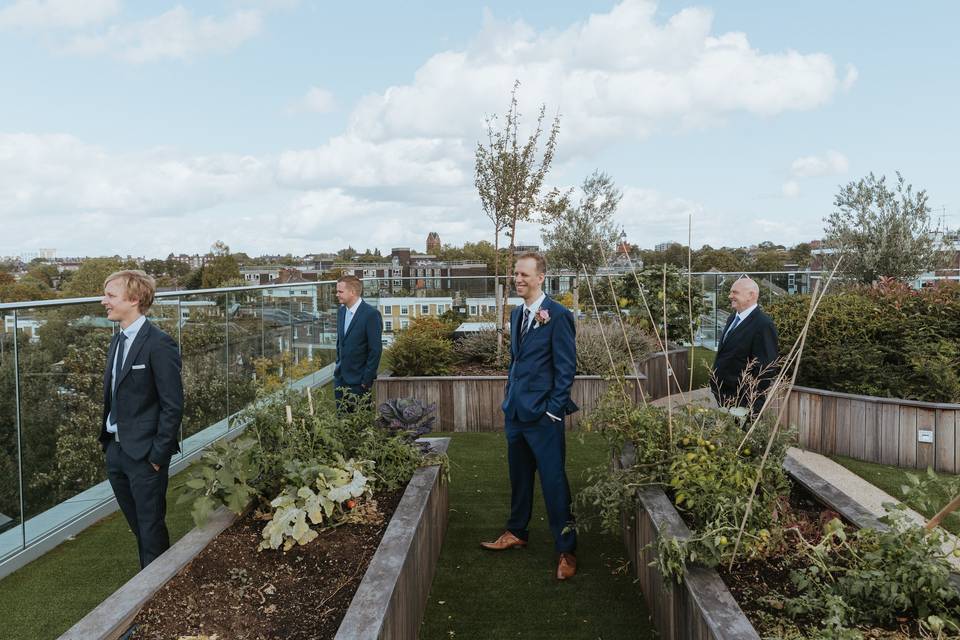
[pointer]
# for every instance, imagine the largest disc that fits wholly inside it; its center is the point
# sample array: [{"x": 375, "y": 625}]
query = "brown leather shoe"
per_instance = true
[
  {"x": 506, "y": 541},
  {"x": 567, "y": 567}
]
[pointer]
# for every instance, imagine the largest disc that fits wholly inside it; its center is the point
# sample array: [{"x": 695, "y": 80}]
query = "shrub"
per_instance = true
[
  {"x": 592, "y": 355},
  {"x": 481, "y": 347},
  {"x": 886, "y": 340},
  {"x": 420, "y": 353}
]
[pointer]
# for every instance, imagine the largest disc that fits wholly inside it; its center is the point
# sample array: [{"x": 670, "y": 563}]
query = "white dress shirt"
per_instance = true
[
  {"x": 131, "y": 333},
  {"x": 348, "y": 315}
]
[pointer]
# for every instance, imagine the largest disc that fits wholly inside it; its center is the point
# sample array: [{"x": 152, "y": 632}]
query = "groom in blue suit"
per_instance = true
[
  {"x": 359, "y": 331},
  {"x": 543, "y": 354}
]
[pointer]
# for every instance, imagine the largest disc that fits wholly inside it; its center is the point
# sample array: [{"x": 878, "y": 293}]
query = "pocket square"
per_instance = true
[{"x": 139, "y": 366}]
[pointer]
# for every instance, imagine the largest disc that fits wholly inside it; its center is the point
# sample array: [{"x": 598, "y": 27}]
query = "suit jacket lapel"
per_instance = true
[
  {"x": 740, "y": 327},
  {"x": 135, "y": 348},
  {"x": 533, "y": 323},
  {"x": 515, "y": 331},
  {"x": 111, "y": 352},
  {"x": 341, "y": 318}
]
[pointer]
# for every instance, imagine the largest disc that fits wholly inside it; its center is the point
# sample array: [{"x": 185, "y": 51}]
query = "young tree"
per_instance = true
[
  {"x": 881, "y": 232},
  {"x": 581, "y": 236},
  {"x": 221, "y": 269},
  {"x": 509, "y": 175}
]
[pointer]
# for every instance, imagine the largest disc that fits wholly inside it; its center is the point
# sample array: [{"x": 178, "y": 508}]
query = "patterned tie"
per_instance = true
[
  {"x": 526, "y": 323},
  {"x": 118, "y": 364},
  {"x": 733, "y": 325}
]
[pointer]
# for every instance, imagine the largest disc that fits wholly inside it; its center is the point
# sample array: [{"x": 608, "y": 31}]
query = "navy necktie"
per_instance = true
[
  {"x": 526, "y": 323},
  {"x": 733, "y": 325},
  {"x": 118, "y": 364}
]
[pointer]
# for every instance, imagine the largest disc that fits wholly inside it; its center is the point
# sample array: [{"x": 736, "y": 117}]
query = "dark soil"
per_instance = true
[
  {"x": 761, "y": 587},
  {"x": 236, "y": 592}
]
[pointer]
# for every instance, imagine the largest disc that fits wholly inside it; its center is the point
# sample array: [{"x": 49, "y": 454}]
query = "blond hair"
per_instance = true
[
  {"x": 353, "y": 283},
  {"x": 536, "y": 257},
  {"x": 139, "y": 286}
]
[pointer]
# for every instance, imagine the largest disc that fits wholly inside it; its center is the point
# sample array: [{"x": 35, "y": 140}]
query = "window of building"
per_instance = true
[
  {"x": 388, "y": 325},
  {"x": 387, "y": 310},
  {"x": 404, "y": 310},
  {"x": 473, "y": 309},
  {"x": 404, "y": 324},
  {"x": 440, "y": 309},
  {"x": 424, "y": 309}
]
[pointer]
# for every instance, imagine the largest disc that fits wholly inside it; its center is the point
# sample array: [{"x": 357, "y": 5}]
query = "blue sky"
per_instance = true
[{"x": 283, "y": 126}]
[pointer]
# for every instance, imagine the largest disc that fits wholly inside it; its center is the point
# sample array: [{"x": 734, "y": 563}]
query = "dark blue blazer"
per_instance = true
[
  {"x": 753, "y": 343},
  {"x": 149, "y": 397},
  {"x": 359, "y": 349},
  {"x": 543, "y": 367}
]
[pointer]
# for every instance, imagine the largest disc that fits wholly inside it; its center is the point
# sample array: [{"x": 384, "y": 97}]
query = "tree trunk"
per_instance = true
[
  {"x": 496, "y": 297},
  {"x": 576, "y": 299}
]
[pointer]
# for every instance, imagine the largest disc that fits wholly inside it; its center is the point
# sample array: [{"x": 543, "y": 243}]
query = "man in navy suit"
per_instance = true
[
  {"x": 543, "y": 362},
  {"x": 748, "y": 345},
  {"x": 142, "y": 408},
  {"x": 359, "y": 330}
]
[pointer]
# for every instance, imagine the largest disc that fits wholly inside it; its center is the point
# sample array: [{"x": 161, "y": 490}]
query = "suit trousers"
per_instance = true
[
  {"x": 539, "y": 446},
  {"x": 142, "y": 495}
]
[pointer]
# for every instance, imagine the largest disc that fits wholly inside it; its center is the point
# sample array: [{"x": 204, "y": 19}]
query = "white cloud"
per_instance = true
[
  {"x": 57, "y": 14},
  {"x": 177, "y": 34},
  {"x": 615, "y": 75},
  {"x": 316, "y": 100},
  {"x": 829, "y": 164},
  {"x": 851, "y": 77},
  {"x": 791, "y": 189}
]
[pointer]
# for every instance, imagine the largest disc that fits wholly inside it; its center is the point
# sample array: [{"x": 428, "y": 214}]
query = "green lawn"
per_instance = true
[
  {"x": 480, "y": 595},
  {"x": 49, "y": 595},
  {"x": 890, "y": 479},
  {"x": 702, "y": 363}
]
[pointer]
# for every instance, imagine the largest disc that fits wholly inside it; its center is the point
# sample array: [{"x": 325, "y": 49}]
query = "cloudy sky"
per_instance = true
[{"x": 303, "y": 126}]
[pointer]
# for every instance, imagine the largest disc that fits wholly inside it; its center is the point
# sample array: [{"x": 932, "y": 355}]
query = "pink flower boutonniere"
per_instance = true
[{"x": 542, "y": 317}]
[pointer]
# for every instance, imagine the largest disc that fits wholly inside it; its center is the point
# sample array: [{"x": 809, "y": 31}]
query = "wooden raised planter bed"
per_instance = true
[
  {"x": 472, "y": 403},
  {"x": 389, "y": 601},
  {"x": 880, "y": 430},
  {"x": 702, "y": 607}
]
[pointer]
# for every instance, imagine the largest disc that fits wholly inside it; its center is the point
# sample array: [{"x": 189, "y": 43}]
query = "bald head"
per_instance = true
[{"x": 744, "y": 294}]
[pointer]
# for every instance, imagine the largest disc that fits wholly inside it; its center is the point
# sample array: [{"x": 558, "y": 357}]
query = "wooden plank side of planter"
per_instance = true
[
  {"x": 871, "y": 432},
  {"x": 804, "y": 419},
  {"x": 857, "y": 427},
  {"x": 907, "y": 455},
  {"x": 889, "y": 434},
  {"x": 702, "y": 608},
  {"x": 946, "y": 441},
  {"x": 828, "y": 431},
  {"x": 391, "y": 598},
  {"x": 842, "y": 427},
  {"x": 926, "y": 452}
]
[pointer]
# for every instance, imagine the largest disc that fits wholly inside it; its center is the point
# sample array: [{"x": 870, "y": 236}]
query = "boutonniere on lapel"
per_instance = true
[{"x": 542, "y": 317}]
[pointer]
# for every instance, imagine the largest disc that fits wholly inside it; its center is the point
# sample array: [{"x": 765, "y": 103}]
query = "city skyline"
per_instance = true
[{"x": 279, "y": 126}]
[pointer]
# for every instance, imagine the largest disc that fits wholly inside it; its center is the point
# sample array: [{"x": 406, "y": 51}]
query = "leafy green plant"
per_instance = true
[
  {"x": 419, "y": 353},
  {"x": 319, "y": 502},
  {"x": 480, "y": 347},
  {"x": 225, "y": 475}
]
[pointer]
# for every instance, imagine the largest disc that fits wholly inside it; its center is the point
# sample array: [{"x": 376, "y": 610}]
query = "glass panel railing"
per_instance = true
[
  {"x": 203, "y": 349},
  {"x": 11, "y": 533},
  {"x": 61, "y": 368}
]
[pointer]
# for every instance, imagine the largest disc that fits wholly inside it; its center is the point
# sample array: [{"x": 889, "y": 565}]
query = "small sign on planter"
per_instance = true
[{"x": 924, "y": 435}]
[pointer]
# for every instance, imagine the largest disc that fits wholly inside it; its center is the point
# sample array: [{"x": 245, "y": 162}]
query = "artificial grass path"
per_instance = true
[
  {"x": 49, "y": 595},
  {"x": 480, "y": 595},
  {"x": 890, "y": 479}
]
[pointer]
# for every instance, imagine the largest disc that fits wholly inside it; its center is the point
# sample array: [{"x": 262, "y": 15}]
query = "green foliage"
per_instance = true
[
  {"x": 598, "y": 341},
  {"x": 709, "y": 478},
  {"x": 421, "y": 350},
  {"x": 881, "y": 232},
  {"x": 480, "y": 347},
  {"x": 88, "y": 279},
  {"x": 225, "y": 475},
  {"x": 876, "y": 577},
  {"x": 676, "y": 300},
  {"x": 883, "y": 341}
]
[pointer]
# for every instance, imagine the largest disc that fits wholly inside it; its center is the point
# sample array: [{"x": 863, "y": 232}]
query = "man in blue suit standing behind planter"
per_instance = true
[
  {"x": 543, "y": 362},
  {"x": 359, "y": 330}
]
